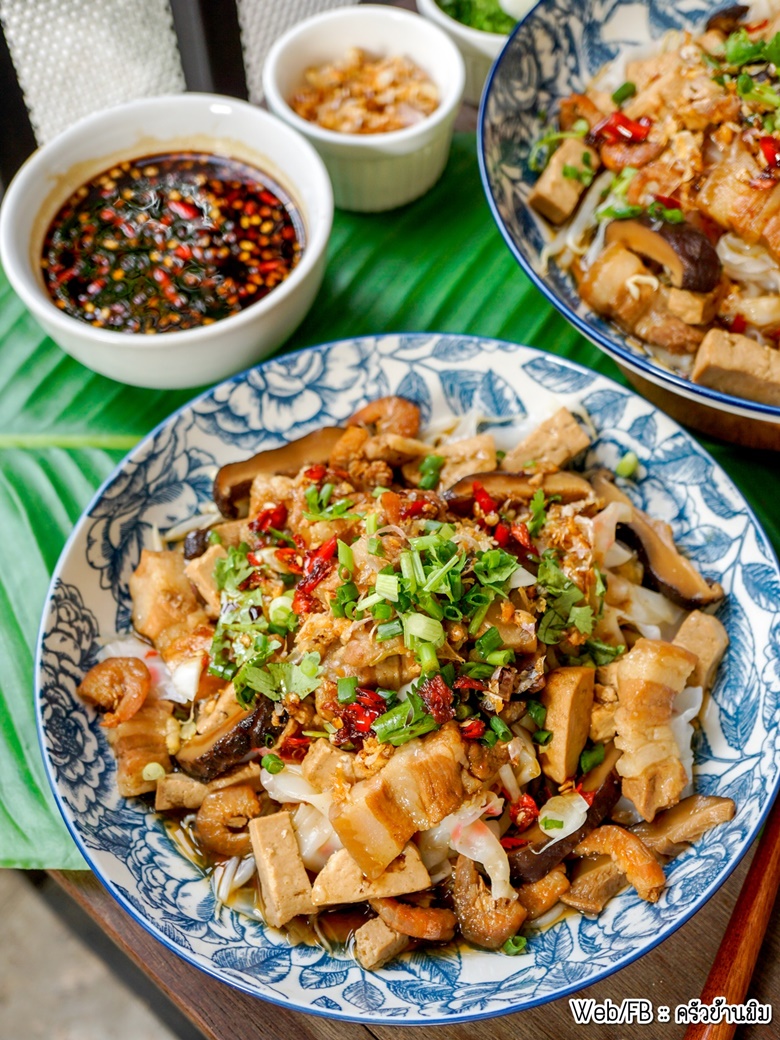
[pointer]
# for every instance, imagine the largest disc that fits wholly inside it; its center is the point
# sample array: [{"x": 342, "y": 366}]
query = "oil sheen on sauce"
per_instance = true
[{"x": 170, "y": 242}]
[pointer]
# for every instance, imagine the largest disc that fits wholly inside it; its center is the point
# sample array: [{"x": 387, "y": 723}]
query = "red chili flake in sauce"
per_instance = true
[
  {"x": 502, "y": 533},
  {"x": 465, "y": 682},
  {"x": 738, "y": 324},
  {"x": 290, "y": 558},
  {"x": 170, "y": 242},
  {"x": 618, "y": 127},
  {"x": 437, "y": 698},
  {"x": 315, "y": 473},
  {"x": 587, "y": 795},
  {"x": 522, "y": 536},
  {"x": 523, "y": 812}
]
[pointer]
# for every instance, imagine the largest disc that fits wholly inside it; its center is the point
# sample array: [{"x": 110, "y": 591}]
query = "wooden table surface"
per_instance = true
[{"x": 672, "y": 974}]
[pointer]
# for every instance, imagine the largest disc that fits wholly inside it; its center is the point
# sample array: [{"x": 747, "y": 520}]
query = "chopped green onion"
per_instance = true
[
  {"x": 215, "y": 538},
  {"x": 375, "y": 546},
  {"x": 346, "y": 556},
  {"x": 591, "y": 757},
  {"x": 382, "y": 611},
  {"x": 389, "y": 631},
  {"x": 622, "y": 180},
  {"x": 537, "y": 712},
  {"x": 550, "y": 824},
  {"x": 475, "y": 670},
  {"x": 346, "y": 689},
  {"x": 407, "y": 568},
  {"x": 628, "y": 465},
  {"x": 490, "y": 738},
  {"x": 463, "y": 711},
  {"x": 517, "y": 944},
  {"x": 625, "y": 212},
  {"x": 501, "y": 730},
  {"x": 272, "y": 763},
  {"x": 387, "y": 586},
  {"x": 430, "y": 468},
  {"x": 153, "y": 771},
  {"x": 280, "y": 608},
  {"x": 542, "y": 737},
  {"x": 379, "y": 491},
  {"x": 436, "y": 578},
  {"x": 488, "y": 642},
  {"x": 369, "y": 601},
  {"x": 657, "y": 211},
  {"x": 426, "y": 655},
  {"x": 624, "y": 92},
  {"x": 372, "y": 523},
  {"x": 426, "y": 628},
  {"x": 500, "y": 658},
  {"x": 540, "y": 153}
]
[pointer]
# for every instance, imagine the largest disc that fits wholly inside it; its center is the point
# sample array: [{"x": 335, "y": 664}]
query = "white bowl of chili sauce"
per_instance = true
[
  {"x": 172, "y": 241},
  {"x": 371, "y": 170}
]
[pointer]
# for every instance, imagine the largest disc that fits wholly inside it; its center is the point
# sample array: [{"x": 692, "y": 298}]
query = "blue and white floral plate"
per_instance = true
[
  {"x": 165, "y": 479},
  {"x": 555, "y": 51}
]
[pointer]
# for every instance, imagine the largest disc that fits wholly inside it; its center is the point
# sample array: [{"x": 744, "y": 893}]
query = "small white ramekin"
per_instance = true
[
  {"x": 371, "y": 172},
  {"x": 479, "y": 49},
  {"x": 187, "y": 123}
]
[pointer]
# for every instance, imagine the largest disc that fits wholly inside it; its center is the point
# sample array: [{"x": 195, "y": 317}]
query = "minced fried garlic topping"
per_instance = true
[{"x": 362, "y": 94}]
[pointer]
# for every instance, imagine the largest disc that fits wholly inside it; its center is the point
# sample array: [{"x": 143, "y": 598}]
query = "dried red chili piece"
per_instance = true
[
  {"x": 315, "y": 473},
  {"x": 522, "y": 536},
  {"x": 738, "y": 324},
  {"x": 437, "y": 698},
  {"x": 587, "y": 795},
  {"x": 465, "y": 682},
  {"x": 770, "y": 146},
  {"x": 317, "y": 564},
  {"x": 618, "y": 127},
  {"x": 523, "y": 812},
  {"x": 667, "y": 201},
  {"x": 502, "y": 533},
  {"x": 294, "y": 749},
  {"x": 413, "y": 507},
  {"x": 290, "y": 558},
  {"x": 273, "y": 516},
  {"x": 510, "y": 843},
  {"x": 473, "y": 729},
  {"x": 185, "y": 210}
]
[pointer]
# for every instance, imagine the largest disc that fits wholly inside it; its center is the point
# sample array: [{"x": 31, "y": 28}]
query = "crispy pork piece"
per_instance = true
[
  {"x": 568, "y": 697},
  {"x": 376, "y": 944},
  {"x": 419, "y": 786},
  {"x": 342, "y": 881},
  {"x": 483, "y": 920},
  {"x": 706, "y": 637},
  {"x": 200, "y": 572},
  {"x": 594, "y": 881},
  {"x": 728, "y": 197},
  {"x": 738, "y": 365},
  {"x": 555, "y": 195},
  {"x": 649, "y": 678},
  {"x": 162, "y": 594},
  {"x": 140, "y": 742},
  {"x": 284, "y": 883},
  {"x": 631, "y": 855},
  {"x": 554, "y": 443}
]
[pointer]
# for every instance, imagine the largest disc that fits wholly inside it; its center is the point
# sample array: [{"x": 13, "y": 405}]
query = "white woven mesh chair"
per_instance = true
[{"x": 63, "y": 59}]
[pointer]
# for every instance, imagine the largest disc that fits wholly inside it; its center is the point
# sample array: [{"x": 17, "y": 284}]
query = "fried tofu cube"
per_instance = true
[
  {"x": 555, "y": 195},
  {"x": 324, "y": 765},
  {"x": 342, "y": 881},
  {"x": 568, "y": 697},
  {"x": 200, "y": 572},
  {"x": 706, "y": 637},
  {"x": 376, "y": 944},
  {"x": 555, "y": 442},
  {"x": 694, "y": 308},
  {"x": 738, "y": 365},
  {"x": 284, "y": 883}
]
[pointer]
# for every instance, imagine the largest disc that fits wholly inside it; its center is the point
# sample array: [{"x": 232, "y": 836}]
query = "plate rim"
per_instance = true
[{"x": 415, "y": 1018}]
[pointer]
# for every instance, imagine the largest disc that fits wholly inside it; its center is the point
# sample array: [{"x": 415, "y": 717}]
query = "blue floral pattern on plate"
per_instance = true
[
  {"x": 165, "y": 478},
  {"x": 555, "y": 51}
]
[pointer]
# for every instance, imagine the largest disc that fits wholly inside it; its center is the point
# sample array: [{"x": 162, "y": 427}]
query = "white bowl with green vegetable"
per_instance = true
[{"x": 479, "y": 29}]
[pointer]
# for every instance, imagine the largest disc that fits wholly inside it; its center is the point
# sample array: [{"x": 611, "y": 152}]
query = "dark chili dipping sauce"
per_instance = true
[{"x": 169, "y": 242}]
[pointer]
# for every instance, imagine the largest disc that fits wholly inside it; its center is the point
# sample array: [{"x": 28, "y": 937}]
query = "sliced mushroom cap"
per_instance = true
[
  {"x": 534, "y": 860},
  {"x": 665, "y": 568},
  {"x": 728, "y": 19},
  {"x": 671, "y": 831},
  {"x": 515, "y": 487},
  {"x": 685, "y": 252},
  {"x": 234, "y": 481},
  {"x": 209, "y": 754}
]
